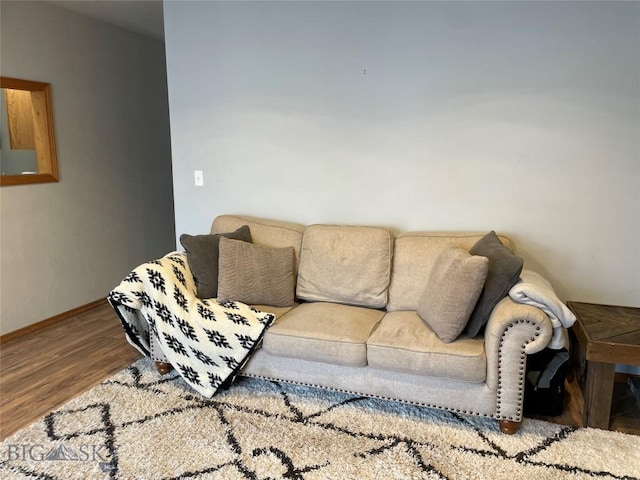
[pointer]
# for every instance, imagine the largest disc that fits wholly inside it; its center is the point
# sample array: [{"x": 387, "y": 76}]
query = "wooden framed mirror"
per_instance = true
[{"x": 27, "y": 139}]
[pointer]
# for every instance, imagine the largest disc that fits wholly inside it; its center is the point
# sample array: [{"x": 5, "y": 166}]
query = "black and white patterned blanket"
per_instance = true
[{"x": 207, "y": 342}]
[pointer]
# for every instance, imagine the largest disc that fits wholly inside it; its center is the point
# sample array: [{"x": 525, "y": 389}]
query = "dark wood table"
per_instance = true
[{"x": 606, "y": 335}]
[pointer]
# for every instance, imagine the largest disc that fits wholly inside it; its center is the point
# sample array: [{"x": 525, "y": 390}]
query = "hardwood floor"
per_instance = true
[{"x": 44, "y": 369}]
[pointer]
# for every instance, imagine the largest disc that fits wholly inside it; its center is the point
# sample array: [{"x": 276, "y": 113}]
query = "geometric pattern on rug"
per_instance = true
[{"x": 138, "y": 425}]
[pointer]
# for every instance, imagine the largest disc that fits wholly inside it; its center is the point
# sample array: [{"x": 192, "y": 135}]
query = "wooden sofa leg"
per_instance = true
[
  {"x": 163, "y": 367},
  {"x": 509, "y": 427}
]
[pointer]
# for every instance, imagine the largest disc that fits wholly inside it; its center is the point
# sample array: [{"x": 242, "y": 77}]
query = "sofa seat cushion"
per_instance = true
[
  {"x": 405, "y": 343},
  {"x": 323, "y": 332},
  {"x": 345, "y": 264}
]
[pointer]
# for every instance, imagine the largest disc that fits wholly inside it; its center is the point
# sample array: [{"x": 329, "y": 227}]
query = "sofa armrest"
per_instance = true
[{"x": 513, "y": 331}]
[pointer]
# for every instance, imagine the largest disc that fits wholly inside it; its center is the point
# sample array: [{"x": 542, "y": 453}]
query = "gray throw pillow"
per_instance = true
[
  {"x": 202, "y": 257},
  {"x": 452, "y": 291},
  {"x": 504, "y": 273},
  {"x": 255, "y": 274}
]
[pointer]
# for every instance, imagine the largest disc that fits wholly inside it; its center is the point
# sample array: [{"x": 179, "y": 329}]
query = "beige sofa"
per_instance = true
[{"x": 354, "y": 325}]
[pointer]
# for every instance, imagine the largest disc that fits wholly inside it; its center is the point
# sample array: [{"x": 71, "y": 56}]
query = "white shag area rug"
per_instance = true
[{"x": 138, "y": 425}]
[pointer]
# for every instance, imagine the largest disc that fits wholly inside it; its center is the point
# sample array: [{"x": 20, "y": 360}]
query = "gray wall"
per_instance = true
[
  {"x": 66, "y": 244},
  {"x": 517, "y": 116}
]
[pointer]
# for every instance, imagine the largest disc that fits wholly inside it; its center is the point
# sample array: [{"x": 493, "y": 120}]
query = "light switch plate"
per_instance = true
[{"x": 198, "y": 178}]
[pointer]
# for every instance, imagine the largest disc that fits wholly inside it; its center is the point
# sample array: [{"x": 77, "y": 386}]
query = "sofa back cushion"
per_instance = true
[
  {"x": 268, "y": 233},
  {"x": 414, "y": 256},
  {"x": 345, "y": 264}
]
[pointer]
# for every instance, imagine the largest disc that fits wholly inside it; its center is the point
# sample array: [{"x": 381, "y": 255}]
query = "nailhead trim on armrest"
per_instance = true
[{"x": 522, "y": 369}]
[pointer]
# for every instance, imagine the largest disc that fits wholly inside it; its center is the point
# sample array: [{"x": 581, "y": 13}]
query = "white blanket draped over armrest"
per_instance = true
[
  {"x": 208, "y": 342},
  {"x": 535, "y": 290}
]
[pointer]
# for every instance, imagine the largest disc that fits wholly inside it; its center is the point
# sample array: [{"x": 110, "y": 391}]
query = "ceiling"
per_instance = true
[{"x": 141, "y": 16}]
